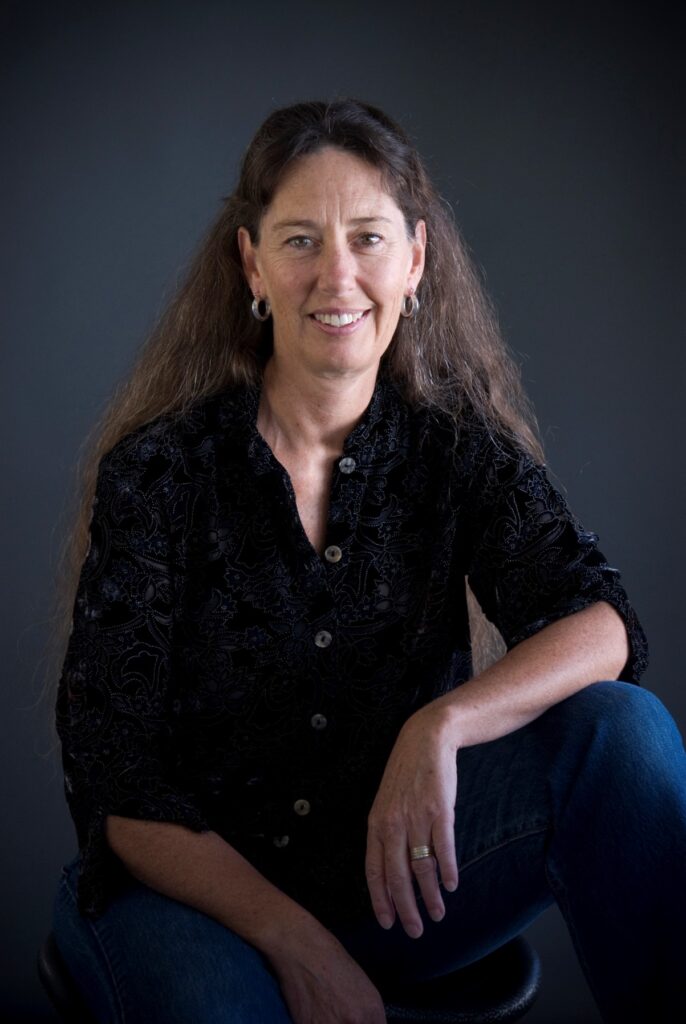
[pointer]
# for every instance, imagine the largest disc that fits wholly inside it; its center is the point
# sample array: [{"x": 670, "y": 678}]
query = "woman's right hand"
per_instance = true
[{"x": 322, "y": 984}]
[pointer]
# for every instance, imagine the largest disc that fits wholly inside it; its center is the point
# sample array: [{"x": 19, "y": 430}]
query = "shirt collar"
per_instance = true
[{"x": 378, "y": 431}]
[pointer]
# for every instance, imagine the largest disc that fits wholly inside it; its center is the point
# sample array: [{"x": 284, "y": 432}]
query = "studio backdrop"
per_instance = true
[{"x": 552, "y": 130}]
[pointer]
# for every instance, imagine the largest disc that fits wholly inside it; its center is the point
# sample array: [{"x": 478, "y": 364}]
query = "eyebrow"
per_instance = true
[{"x": 310, "y": 224}]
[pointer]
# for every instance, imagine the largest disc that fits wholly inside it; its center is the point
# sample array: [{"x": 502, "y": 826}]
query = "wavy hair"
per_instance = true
[{"x": 206, "y": 340}]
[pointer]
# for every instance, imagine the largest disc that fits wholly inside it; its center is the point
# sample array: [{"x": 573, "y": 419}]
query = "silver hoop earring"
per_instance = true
[
  {"x": 410, "y": 306},
  {"x": 261, "y": 315}
]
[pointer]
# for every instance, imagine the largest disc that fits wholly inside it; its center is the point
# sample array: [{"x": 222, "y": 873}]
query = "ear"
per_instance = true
[
  {"x": 250, "y": 263},
  {"x": 418, "y": 254}
]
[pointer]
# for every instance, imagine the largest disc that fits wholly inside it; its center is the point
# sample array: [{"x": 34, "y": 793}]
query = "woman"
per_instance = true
[{"x": 266, "y": 689}]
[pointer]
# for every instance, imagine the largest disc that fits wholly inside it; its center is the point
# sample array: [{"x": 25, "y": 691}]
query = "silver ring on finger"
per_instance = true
[{"x": 421, "y": 852}]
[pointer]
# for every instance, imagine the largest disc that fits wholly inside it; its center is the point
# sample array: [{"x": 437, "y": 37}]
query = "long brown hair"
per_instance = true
[{"x": 450, "y": 353}]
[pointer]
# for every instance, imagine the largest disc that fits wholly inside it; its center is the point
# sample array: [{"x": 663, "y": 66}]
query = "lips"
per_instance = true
[{"x": 339, "y": 319}]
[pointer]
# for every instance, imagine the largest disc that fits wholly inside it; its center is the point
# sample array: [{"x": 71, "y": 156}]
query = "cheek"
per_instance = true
[
  {"x": 288, "y": 285},
  {"x": 389, "y": 296},
  {"x": 389, "y": 280}
]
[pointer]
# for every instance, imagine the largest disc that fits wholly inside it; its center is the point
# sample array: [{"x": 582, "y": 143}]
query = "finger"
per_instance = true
[
  {"x": 399, "y": 884},
  {"x": 376, "y": 881},
  {"x": 443, "y": 834},
  {"x": 424, "y": 870}
]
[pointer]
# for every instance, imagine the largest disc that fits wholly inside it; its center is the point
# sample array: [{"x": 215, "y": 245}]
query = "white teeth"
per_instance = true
[{"x": 334, "y": 320}]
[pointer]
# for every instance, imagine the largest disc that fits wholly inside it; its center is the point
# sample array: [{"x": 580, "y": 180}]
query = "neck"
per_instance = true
[{"x": 301, "y": 412}]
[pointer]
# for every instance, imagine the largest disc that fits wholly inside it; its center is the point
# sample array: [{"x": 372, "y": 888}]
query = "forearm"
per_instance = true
[
  {"x": 560, "y": 659},
  {"x": 319, "y": 980},
  {"x": 204, "y": 871}
]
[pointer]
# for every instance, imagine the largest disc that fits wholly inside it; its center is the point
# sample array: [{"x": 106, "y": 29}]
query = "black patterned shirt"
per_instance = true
[{"x": 222, "y": 675}]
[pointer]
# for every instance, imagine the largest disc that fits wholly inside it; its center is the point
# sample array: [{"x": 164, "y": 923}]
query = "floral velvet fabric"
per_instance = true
[{"x": 222, "y": 675}]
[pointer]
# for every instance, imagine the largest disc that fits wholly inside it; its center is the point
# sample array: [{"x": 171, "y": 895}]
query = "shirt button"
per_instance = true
[
  {"x": 347, "y": 465},
  {"x": 318, "y": 722},
  {"x": 281, "y": 841},
  {"x": 301, "y": 807},
  {"x": 333, "y": 553},
  {"x": 323, "y": 638}
]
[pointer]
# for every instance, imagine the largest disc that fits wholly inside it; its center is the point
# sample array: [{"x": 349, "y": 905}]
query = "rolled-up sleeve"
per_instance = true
[
  {"x": 115, "y": 689},
  {"x": 531, "y": 562}
]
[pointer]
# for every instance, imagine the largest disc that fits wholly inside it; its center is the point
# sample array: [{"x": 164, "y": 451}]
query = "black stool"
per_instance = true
[
  {"x": 60, "y": 986},
  {"x": 500, "y": 987}
]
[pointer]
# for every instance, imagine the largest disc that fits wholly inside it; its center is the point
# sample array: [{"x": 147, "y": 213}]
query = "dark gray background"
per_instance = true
[{"x": 551, "y": 128}]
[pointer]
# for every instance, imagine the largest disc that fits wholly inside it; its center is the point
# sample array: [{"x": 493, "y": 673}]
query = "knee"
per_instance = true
[
  {"x": 621, "y": 707},
  {"x": 628, "y": 722},
  {"x": 153, "y": 959}
]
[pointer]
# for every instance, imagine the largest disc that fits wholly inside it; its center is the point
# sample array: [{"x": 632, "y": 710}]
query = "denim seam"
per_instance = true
[
  {"x": 105, "y": 956},
  {"x": 499, "y": 846}
]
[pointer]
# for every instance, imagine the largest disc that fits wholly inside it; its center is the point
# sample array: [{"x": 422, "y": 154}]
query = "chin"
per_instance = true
[{"x": 351, "y": 363}]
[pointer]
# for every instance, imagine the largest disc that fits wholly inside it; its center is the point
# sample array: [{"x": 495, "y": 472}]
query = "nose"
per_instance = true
[{"x": 336, "y": 267}]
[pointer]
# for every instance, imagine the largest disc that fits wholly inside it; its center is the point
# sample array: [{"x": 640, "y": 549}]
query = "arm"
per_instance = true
[
  {"x": 566, "y": 621},
  {"x": 319, "y": 980},
  {"x": 116, "y": 689},
  {"x": 549, "y": 666},
  {"x": 416, "y": 799}
]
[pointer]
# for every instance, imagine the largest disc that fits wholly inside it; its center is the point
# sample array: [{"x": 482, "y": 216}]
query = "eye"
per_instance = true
[
  {"x": 369, "y": 239},
  {"x": 299, "y": 242}
]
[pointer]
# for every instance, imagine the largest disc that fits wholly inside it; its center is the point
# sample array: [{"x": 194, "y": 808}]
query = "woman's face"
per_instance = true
[{"x": 335, "y": 263}]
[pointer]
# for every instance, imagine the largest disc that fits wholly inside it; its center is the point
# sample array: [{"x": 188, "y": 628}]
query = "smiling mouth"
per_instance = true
[{"x": 339, "y": 319}]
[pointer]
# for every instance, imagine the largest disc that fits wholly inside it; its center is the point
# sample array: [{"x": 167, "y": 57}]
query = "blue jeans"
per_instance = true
[{"x": 585, "y": 806}]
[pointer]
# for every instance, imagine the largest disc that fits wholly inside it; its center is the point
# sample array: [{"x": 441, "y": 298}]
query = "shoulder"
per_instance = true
[
  {"x": 173, "y": 447},
  {"x": 465, "y": 439},
  {"x": 480, "y": 460}
]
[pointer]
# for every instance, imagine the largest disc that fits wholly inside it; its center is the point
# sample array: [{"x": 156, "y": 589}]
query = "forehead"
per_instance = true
[{"x": 331, "y": 180}]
